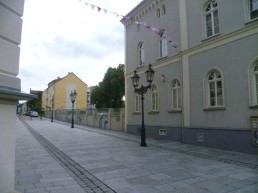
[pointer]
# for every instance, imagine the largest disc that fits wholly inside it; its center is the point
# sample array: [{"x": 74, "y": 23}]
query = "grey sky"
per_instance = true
[{"x": 61, "y": 36}]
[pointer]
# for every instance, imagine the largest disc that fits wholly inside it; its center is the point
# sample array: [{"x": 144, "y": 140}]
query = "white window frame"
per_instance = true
[
  {"x": 163, "y": 45},
  {"x": 215, "y": 29},
  {"x": 253, "y": 81},
  {"x": 154, "y": 98},
  {"x": 141, "y": 54},
  {"x": 217, "y": 92},
  {"x": 158, "y": 13},
  {"x": 176, "y": 95},
  {"x": 137, "y": 103},
  {"x": 247, "y": 6}
]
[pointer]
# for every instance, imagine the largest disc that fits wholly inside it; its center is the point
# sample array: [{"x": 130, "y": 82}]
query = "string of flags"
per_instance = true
[{"x": 156, "y": 30}]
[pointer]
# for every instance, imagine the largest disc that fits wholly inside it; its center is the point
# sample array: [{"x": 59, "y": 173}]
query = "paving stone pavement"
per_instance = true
[{"x": 54, "y": 158}]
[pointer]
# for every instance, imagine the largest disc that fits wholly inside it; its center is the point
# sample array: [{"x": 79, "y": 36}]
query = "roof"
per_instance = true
[
  {"x": 136, "y": 9},
  {"x": 58, "y": 79},
  {"x": 54, "y": 81}
]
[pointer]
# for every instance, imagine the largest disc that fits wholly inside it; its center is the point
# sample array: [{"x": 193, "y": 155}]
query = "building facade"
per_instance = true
[
  {"x": 11, "y": 12},
  {"x": 205, "y": 57},
  {"x": 57, "y": 95}
]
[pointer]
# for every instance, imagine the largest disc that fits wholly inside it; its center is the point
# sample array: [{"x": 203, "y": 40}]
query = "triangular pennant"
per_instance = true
[
  {"x": 86, "y": 3},
  {"x": 92, "y": 6},
  {"x": 99, "y": 9},
  {"x": 105, "y": 11}
]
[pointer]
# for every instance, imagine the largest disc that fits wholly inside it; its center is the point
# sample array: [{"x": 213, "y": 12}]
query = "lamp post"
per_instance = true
[
  {"x": 52, "y": 113},
  {"x": 73, "y": 96},
  {"x": 141, "y": 91}
]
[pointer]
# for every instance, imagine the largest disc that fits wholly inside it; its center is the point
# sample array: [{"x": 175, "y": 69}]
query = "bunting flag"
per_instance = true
[{"x": 158, "y": 31}]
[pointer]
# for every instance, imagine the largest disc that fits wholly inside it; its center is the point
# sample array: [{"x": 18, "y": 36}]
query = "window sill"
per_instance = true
[
  {"x": 253, "y": 107},
  {"x": 211, "y": 37},
  {"x": 250, "y": 21},
  {"x": 153, "y": 112},
  {"x": 136, "y": 113},
  {"x": 175, "y": 111},
  {"x": 215, "y": 109},
  {"x": 162, "y": 58}
]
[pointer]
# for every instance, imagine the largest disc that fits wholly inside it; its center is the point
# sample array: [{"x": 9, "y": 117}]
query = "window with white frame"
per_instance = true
[
  {"x": 141, "y": 57},
  {"x": 211, "y": 18},
  {"x": 176, "y": 96},
  {"x": 154, "y": 98},
  {"x": 158, "y": 13},
  {"x": 253, "y": 9},
  {"x": 137, "y": 107},
  {"x": 254, "y": 83},
  {"x": 163, "y": 44},
  {"x": 215, "y": 95}
]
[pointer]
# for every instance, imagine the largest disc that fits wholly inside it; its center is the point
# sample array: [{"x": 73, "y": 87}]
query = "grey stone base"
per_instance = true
[{"x": 226, "y": 139}]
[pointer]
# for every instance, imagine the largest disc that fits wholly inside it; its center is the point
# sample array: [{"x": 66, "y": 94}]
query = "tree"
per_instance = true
[
  {"x": 110, "y": 92},
  {"x": 35, "y": 104}
]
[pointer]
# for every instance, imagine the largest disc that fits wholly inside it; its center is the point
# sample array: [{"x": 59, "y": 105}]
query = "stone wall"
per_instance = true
[{"x": 113, "y": 119}]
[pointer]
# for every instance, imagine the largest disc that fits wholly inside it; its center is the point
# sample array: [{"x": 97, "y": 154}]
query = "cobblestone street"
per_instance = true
[{"x": 54, "y": 158}]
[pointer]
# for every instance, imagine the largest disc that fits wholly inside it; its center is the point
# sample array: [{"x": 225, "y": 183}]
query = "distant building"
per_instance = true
[
  {"x": 205, "y": 90},
  {"x": 57, "y": 95},
  {"x": 89, "y": 105}
]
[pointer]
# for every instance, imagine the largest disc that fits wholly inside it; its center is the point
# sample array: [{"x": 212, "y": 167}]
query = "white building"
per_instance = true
[
  {"x": 10, "y": 91},
  {"x": 205, "y": 90}
]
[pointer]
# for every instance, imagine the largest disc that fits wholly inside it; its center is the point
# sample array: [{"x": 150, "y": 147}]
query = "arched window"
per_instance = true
[
  {"x": 163, "y": 44},
  {"x": 154, "y": 98},
  {"x": 253, "y": 70},
  {"x": 215, "y": 94},
  {"x": 158, "y": 13},
  {"x": 176, "y": 96},
  {"x": 211, "y": 18},
  {"x": 141, "y": 57},
  {"x": 256, "y": 81},
  {"x": 163, "y": 9}
]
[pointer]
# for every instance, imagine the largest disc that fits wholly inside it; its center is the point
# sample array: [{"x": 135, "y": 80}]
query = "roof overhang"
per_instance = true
[{"x": 14, "y": 94}]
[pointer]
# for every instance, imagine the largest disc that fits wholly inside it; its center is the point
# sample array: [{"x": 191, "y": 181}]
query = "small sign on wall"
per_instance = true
[
  {"x": 200, "y": 136},
  {"x": 162, "y": 132},
  {"x": 254, "y": 125}
]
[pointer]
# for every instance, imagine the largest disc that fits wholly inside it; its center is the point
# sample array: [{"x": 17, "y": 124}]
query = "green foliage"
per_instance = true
[
  {"x": 110, "y": 92},
  {"x": 35, "y": 104}
]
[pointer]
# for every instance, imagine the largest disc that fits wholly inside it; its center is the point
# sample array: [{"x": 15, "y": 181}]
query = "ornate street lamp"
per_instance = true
[
  {"x": 141, "y": 91},
  {"x": 73, "y": 96},
  {"x": 52, "y": 113}
]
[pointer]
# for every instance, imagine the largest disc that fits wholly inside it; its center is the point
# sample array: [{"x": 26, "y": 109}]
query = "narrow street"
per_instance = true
[{"x": 54, "y": 158}]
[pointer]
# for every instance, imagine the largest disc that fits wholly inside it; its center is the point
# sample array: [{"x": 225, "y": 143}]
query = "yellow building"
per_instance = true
[{"x": 57, "y": 95}]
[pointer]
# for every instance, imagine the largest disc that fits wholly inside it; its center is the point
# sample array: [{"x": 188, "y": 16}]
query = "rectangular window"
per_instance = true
[
  {"x": 137, "y": 103},
  {"x": 209, "y": 25},
  {"x": 216, "y": 22},
  {"x": 154, "y": 102},
  {"x": 253, "y": 9},
  {"x": 163, "y": 45}
]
